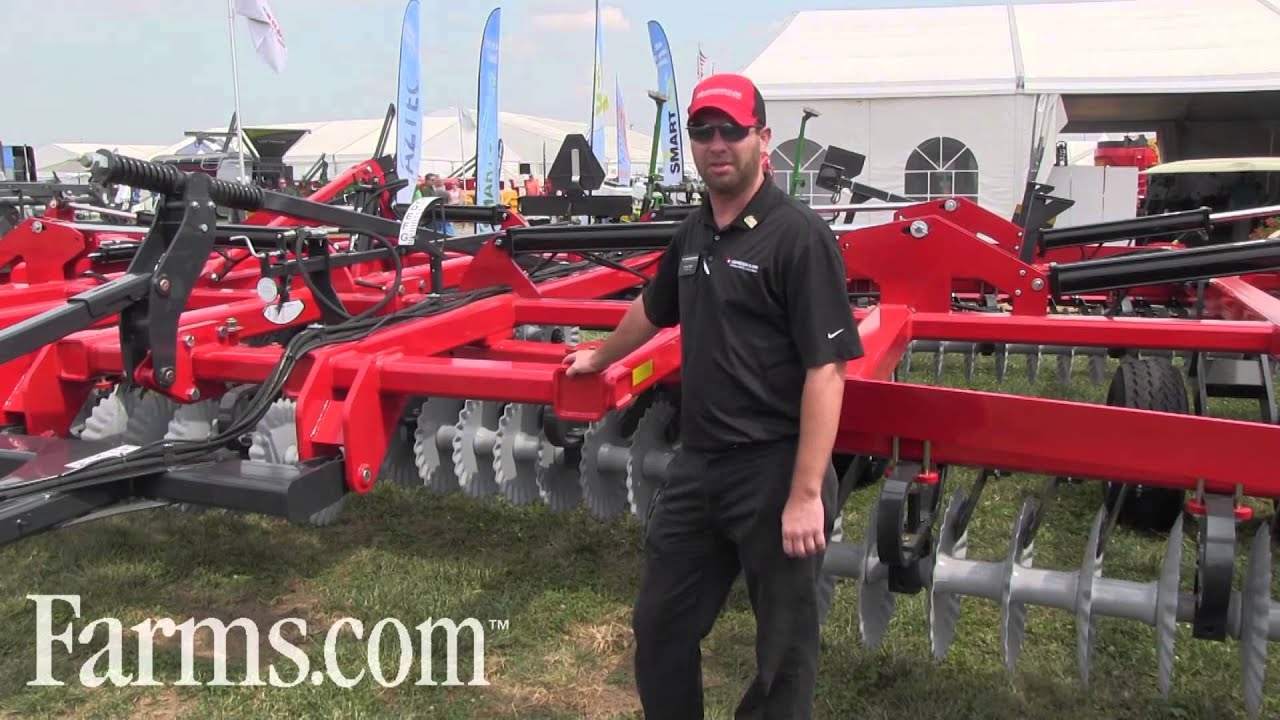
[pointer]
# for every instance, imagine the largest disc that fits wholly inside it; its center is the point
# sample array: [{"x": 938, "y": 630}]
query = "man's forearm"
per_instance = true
[
  {"x": 819, "y": 419},
  {"x": 634, "y": 331}
]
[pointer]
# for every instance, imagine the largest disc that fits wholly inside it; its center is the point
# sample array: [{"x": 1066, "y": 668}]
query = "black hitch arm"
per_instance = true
[{"x": 1164, "y": 266}]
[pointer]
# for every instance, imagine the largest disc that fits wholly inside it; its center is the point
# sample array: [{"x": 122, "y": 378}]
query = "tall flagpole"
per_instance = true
[
  {"x": 235, "y": 81},
  {"x": 595, "y": 79}
]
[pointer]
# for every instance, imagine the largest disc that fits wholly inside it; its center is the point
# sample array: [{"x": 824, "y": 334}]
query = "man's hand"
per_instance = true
[
  {"x": 581, "y": 362},
  {"x": 803, "y": 525}
]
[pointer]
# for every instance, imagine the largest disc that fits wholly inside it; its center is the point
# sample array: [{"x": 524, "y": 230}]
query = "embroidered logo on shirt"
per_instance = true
[{"x": 740, "y": 265}]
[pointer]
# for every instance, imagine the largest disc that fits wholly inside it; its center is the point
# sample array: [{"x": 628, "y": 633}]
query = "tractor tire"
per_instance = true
[{"x": 1147, "y": 384}]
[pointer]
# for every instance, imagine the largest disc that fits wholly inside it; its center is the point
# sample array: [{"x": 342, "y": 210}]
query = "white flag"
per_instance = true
[{"x": 265, "y": 31}]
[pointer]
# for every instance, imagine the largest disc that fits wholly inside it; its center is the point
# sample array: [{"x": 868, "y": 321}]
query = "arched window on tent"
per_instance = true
[
  {"x": 783, "y": 159},
  {"x": 941, "y": 167}
]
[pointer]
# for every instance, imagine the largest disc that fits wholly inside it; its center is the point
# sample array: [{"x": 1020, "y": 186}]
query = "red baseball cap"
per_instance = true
[{"x": 732, "y": 94}]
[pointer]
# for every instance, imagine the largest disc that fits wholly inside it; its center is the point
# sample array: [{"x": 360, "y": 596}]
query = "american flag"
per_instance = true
[{"x": 703, "y": 63}]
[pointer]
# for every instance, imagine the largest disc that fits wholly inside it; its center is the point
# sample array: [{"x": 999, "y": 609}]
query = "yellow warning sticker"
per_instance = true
[{"x": 643, "y": 372}]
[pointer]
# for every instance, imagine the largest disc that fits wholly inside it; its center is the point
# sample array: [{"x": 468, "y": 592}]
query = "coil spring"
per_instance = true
[{"x": 109, "y": 167}]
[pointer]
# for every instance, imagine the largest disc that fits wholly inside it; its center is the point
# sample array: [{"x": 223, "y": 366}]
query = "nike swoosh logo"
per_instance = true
[{"x": 831, "y": 335}]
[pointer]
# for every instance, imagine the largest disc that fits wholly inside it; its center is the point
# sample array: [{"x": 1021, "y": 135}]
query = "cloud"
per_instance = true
[{"x": 611, "y": 18}]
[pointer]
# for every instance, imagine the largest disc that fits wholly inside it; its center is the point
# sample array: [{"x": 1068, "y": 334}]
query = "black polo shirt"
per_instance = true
[{"x": 758, "y": 303}]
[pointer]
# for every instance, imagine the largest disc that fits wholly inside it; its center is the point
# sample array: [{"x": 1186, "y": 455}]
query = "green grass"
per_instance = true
[{"x": 566, "y": 583}]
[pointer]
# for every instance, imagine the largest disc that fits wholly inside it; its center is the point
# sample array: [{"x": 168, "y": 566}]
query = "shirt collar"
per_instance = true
[{"x": 766, "y": 199}]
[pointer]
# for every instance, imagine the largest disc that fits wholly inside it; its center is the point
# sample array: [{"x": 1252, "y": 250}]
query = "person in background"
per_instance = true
[{"x": 509, "y": 196}]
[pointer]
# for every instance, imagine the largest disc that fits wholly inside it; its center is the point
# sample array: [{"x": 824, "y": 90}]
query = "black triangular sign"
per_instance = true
[{"x": 576, "y": 167}]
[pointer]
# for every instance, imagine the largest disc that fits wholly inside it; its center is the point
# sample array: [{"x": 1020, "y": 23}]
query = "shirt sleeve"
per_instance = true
[
  {"x": 818, "y": 308},
  {"x": 662, "y": 294}
]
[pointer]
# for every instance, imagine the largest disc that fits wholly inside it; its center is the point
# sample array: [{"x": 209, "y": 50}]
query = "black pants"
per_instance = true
[{"x": 718, "y": 515}]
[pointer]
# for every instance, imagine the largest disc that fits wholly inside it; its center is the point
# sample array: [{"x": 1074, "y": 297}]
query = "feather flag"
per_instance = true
[
  {"x": 268, "y": 40},
  {"x": 624, "y": 150},
  {"x": 600, "y": 98}
]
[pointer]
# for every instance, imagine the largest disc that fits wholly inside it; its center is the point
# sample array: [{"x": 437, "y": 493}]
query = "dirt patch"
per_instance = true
[
  {"x": 295, "y": 604},
  {"x": 590, "y": 674},
  {"x": 164, "y": 704}
]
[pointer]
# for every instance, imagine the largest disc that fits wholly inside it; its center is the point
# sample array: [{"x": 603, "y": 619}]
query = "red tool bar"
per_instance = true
[
  {"x": 1009, "y": 432},
  {"x": 1234, "y": 297},
  {"x": 885, "y": 333},
  {"x": 1098, "y": 331},
  {"x": 582, "y": 313},
  {"x": 590, "y": 397},
  {"x": 471, "y": 378}
]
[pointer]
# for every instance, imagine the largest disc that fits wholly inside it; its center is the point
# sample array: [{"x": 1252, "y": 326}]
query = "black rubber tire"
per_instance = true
[{"x": 1147, "y": 384}]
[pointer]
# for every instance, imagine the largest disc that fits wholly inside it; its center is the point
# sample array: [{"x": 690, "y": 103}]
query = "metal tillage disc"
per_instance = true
[
  {"x": 1090, "y": 570},
  {"x": 943, "y": 606},
  {"x": 1167, "y": 606},
  {"x": 133, "y": 417},
  {"x": 477, "y": 432},
  {"x": 651, "y": 451},
  {"x": 192, "y": 422},
  {"x": 517, "y": 451},
  {"x": 433, "y": 443},
  {"x": 275, "y": 440},
  {"x": 604, "y": 467},
  {"x": 398, "y": 465},
  {"x": 875, "y": 600},
  {"x": 559, "y": 477},
  {"x": 1255, "y": 617},
  {"x": 939, "y": 360},
  {"x": 1013, "y": 614}
]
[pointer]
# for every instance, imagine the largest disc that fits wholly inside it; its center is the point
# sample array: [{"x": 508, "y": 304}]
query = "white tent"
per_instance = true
[
  {"x": 953, "y": 100},
  {"x": 448, "y": 142},
  {"x": 64, "y": 158}
]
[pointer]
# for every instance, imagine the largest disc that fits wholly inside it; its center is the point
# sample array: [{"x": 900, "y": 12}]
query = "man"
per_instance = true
[{"x": 757, "y": 284}]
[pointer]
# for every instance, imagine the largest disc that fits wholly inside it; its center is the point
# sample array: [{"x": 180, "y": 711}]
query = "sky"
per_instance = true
[{"x": 145, "y": 71}]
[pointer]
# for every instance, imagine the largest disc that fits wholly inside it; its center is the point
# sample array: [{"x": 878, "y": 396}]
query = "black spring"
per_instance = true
[{"x": 109, "y": 167}]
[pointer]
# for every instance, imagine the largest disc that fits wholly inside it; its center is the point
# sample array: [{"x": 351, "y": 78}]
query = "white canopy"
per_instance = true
[
  {"x": 448, "y": 141},
  {"x": 1107, "y": 46},
  {"x": 64, "y": 158}
]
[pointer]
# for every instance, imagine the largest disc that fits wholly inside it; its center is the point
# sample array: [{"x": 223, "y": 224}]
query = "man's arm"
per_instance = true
[
  {"x": 658, "y": 306},
  {"x": 634, "y": 330},
  {"x": 825, "y": 337},
  {"x": 819, "y": 419}
]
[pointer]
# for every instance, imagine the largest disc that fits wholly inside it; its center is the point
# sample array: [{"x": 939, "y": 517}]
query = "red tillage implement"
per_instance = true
[{"x": 259, "y": 405}]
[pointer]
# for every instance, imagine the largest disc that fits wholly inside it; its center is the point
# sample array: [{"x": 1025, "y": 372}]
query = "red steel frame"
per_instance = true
[{"x": 350, "y": 396}]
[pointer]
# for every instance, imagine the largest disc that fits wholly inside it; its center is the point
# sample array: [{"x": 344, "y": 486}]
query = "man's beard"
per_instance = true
[{"x": 740, "y": 181}]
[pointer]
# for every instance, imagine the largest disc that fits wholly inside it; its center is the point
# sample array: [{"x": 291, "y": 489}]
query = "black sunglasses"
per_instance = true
[{"x": 731, "y": 132}]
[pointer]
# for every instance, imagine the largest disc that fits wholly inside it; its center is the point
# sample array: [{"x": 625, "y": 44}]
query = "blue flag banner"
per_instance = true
[
  {"x": 624, "y": 150},
  {"x": 409, "y": 103},
  {"x": 488, "y": 173},
  {"x": 600, "y": 97},
  {"x": 672, "y": 127}
]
